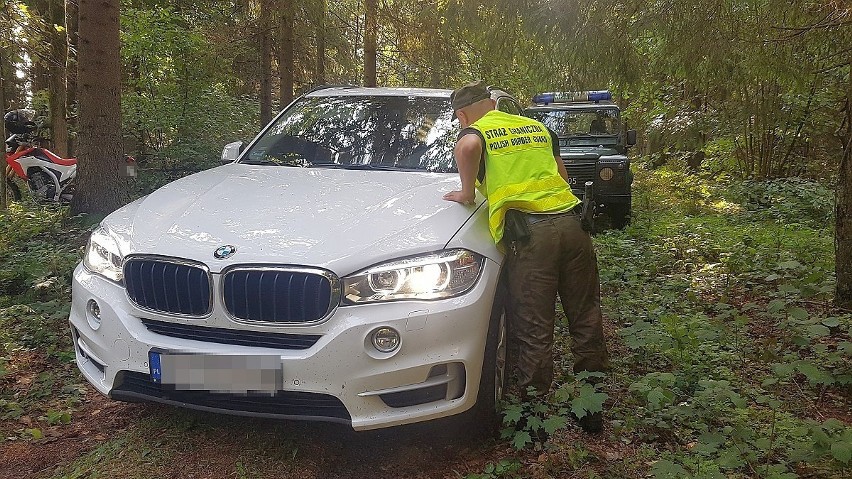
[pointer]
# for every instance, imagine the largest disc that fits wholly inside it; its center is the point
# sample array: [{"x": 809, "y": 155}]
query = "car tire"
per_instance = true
[
  {"x": 13, "y": 193},
  {"x": 619, "y": 214},
  {"x": 485, "y": 419}
]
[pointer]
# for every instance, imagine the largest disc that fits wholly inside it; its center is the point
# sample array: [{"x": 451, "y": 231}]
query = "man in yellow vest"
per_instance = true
[{"x": 532, "y": 215}]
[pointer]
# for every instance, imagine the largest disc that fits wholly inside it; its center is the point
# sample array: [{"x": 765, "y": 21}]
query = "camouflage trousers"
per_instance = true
[{"x": 558, "y": 257}]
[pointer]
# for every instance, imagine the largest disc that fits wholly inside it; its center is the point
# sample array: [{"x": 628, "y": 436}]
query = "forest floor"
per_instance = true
[{"x": 728, "y": 361}]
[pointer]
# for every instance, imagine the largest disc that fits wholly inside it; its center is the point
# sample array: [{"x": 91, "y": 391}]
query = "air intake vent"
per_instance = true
[
  {"x": 168, "y": 286},
  {"x": 280, "y": 295}
]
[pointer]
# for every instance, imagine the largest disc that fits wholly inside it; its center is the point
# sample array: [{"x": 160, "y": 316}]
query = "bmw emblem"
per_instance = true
[{"x": 225, "y": 251}]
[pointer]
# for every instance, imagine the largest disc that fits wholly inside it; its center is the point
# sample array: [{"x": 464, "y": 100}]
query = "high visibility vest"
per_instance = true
[{"x": 520, "y": 172}]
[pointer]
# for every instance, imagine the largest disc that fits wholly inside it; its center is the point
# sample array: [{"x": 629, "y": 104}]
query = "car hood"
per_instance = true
[
  {"x": 341, "y": 220},
  {"x": 586, "y": 152}
]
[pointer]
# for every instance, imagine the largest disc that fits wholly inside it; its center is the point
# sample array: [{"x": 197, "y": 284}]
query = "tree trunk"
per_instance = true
[
  {"x": 100, "y": 161},
  {"x": 39, "y": 55},
  {"x": 285, "y": 52},
  {"x": 38, "y": 75},
  {"x": 370, "y": 27},
  {"x": 71, "y": 17},
  {"x": 57, "y": 87},
  {"x": 319, "y": 78},
  {"x": 3, "y": 199},
  {"x": 265, "y": 62},
  {"x": 10, "y": 87},
  {"x": 843, "y": 211}
]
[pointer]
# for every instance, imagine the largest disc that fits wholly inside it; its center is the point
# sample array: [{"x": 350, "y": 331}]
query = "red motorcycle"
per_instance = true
[{"x": 49, "y": 177}]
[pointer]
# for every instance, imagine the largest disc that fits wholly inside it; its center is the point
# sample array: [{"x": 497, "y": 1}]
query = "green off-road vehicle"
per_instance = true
[{"x": 593, "y": 144}]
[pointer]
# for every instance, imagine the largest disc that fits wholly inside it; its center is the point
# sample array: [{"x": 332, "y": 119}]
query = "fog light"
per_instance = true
[
  {"x": 94, "y": 315},
  {"x": 606, "y": 174},
  {"x": 385, "y": 339}
]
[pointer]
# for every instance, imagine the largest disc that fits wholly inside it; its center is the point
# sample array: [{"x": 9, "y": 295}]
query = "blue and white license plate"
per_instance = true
[{"x": 216, "y": 372}]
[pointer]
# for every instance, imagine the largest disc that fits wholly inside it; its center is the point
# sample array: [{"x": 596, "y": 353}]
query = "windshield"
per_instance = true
[
  {"x": 361, "y": 132},
  {"x": 568, "y": 123}
]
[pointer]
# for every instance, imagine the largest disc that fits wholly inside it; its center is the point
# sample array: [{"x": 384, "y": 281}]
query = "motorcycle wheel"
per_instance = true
[{"x": 13, "y": 193}]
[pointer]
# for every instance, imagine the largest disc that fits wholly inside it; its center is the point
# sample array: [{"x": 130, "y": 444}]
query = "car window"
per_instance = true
[
  {"x": 508, "y": 105},
  {"x": 365, "y": 132}
]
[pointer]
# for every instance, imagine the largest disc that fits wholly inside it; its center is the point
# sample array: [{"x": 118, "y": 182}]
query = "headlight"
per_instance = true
[
  {"x": 435, "y": 276},
  {"x": 102, "y": 256},
  {"x": 607, "y": 173}
]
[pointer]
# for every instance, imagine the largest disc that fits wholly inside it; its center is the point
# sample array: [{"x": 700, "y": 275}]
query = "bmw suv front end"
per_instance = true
[{"x": 319, "y": 277}]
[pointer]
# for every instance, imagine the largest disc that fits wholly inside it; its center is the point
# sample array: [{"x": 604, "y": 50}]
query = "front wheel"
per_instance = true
[
  {"x": 619, "y": 213},
  {"x": 485, "y": 415}
]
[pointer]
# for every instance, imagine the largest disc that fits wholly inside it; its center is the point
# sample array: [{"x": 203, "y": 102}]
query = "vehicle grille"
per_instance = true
[
  {"x": 134, "y": 386},
  {"x": 583, "y": 172},
  {"x": 278, "y": 295},
  {"x": 167, "y": 286},
  {"x": 258, "y": 339}
]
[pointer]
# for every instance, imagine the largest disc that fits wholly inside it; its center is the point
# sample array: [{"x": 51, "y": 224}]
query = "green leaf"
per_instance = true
[
  {"x": 798, "y": 313},
  {"x": 521, "y": 439},
  {"x": 833, "y": 423},
  {"x": 786, "y": 288},
  {"x": 783, "y": 370},
  {"x": 712, "y": 438},
  {"x": 512, "y": 414},
  {"x": 775, "y": 306},
  {"x": 534, "y": 423},
  {"x": 842, "y": 451},
  {"x": 588, "y": 401},
  {"x": 657, "y": 396},
  {"x": 664, "y": 469},
  {"x": 818, "y": 330},
  {"x": 831, "y": 322},
  {"x": 35, "y": 433},
  {"x": 737, "y": 400},
  {"x": 763, "y": 444},
  {"x": 814, "y": 374},
  {"x": 554, "y": 423}
]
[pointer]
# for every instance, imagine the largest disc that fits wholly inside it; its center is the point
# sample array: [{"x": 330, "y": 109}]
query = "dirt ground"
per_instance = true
[{"x": 217, "y": 448}]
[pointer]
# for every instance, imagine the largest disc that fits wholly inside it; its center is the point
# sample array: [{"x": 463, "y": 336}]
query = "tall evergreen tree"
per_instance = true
[
  {"x": 370, "y": 34},
  {"x": 71, "y": 16},
  {"x": 100, "y": 186},
  {"x": 285, "y": 51},
  {"x": 265, "y": 22},
  {"x": 56, "y": 34}
]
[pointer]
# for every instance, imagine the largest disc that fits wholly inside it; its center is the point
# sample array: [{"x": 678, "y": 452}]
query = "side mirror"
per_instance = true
[
  {"x": 631, "y": 137},
  {"x": 232, "y": 151}
]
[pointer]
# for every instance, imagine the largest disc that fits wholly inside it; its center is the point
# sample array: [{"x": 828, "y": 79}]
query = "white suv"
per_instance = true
[{"x": 319, "y": 276}]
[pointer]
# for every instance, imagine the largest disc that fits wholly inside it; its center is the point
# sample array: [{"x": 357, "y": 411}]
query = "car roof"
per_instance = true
[
  {"x": 392, "y": 91},
  {"x": 573, "y": 106},
  {"x": 379, "y": 91}
]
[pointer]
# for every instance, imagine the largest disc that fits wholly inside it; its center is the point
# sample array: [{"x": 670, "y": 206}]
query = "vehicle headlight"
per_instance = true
[
  {"x": 102, "y": 256},
  {"x": 434, "y": 276}
]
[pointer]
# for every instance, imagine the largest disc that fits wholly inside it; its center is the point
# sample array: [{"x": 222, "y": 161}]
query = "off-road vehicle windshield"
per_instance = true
[
  {"x": 570, "y": 123},
  {"x": 361, "y": 132}
]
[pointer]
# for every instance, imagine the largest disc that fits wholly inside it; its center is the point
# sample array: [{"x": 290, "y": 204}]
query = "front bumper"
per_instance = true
[{"x": 341, "y": 377}]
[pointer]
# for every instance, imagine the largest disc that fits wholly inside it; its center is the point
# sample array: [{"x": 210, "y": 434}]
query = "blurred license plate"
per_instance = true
[{"x": 216, "y": 373}]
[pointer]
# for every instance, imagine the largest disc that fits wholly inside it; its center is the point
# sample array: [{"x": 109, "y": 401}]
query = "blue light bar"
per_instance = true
[{"x": 572, "y": 96}]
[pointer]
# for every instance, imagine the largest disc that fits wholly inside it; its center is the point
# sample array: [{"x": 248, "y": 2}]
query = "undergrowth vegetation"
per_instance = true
[
  {"x": 40, "y": 386},
  {"x": 729, "y": 358}
]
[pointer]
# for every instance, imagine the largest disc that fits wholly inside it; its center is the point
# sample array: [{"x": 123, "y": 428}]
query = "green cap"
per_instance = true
[{"x": 469, "y": 94}]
